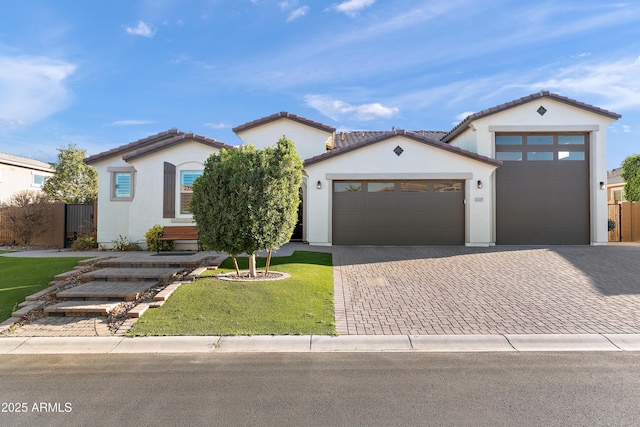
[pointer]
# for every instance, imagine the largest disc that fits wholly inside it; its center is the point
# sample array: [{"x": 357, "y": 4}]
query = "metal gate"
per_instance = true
[
  {"x": 78, "y": 220},
  {"x": 615, "y": 223}
]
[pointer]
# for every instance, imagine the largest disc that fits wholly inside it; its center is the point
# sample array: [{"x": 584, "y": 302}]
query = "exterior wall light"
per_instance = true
[
  {"x": 319, "y": 185},
  {"x": 479, "y": 184},
  {"x": 602, "y": 186}
]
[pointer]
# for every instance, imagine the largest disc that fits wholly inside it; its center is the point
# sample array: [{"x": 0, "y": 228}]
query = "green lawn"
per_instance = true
[
  {"x": 299, "y": 305},
  {"x": 21, "y": 277}
]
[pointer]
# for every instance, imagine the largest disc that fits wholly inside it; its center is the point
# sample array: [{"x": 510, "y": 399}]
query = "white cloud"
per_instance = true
[
  {"x": 298, "y": 13},
  {"x": 337, "y": 109},
  {"x": 287, "y": 4},
  {"x": 352, "y": 7},
  {"x": 217, "y": 125},
  {"x": 617, "y": 84},
  {"x": 132, "y": 122},
  {"x": 32, "y": 88},
  {"x": 141, "y": 29},
  {"x": 460, "y": 117}
]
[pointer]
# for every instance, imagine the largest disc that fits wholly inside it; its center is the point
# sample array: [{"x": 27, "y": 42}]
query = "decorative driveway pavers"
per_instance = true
[{"x": 497, "y": 290}]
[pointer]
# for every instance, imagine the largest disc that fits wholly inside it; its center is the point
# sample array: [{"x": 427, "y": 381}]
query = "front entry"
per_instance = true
[{"x": 297, "y": 235}]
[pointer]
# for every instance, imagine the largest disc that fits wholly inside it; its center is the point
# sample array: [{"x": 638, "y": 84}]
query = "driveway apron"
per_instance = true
[{"x": 497, "y": 290}]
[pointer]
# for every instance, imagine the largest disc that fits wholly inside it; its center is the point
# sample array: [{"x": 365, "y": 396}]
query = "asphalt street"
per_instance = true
[{"x": 354, "y": 389}]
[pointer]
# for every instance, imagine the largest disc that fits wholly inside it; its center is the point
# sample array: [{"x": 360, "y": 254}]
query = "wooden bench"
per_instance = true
[{"x": 182, "y": 232}]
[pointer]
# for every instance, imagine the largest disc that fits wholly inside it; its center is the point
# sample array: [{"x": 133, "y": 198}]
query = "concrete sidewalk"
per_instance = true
[{"x": 318, "y": 343}]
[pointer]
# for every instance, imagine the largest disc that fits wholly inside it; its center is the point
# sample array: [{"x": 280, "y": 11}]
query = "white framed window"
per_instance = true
[
  {"x": 122, "y": 186},
  {"x": 37, "y": 180},
  {"x": 187, "y": 178}
]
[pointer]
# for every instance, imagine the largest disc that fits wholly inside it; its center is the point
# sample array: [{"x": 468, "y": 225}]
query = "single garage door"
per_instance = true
[
  {"x": 542, "y": 189},
  {"x": 398, "y": 212}
]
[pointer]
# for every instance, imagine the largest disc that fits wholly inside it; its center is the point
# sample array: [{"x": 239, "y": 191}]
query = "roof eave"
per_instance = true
[
  {"x": 462, "y": 126},
  {"x": 416, "y": 137},
  {"x": 282, "y": 115},
  {"x": 150, "y": 149},
  {"x": 136, "y": 145}
]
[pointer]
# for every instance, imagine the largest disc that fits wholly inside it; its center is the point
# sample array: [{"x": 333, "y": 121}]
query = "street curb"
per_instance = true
[{"x": 323, "y": 344}]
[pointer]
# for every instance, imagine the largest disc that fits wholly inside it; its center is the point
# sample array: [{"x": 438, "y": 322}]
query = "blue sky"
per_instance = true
[{"x": 99, "y": 74}]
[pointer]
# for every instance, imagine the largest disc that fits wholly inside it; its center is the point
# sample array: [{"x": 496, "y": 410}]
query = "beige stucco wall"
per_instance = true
[
  {"x": 560, "y": 117},
  {"x": 418, "y": 161},
  {"x": 309, "y": 141},
  {"x": 14, "y": 178}
]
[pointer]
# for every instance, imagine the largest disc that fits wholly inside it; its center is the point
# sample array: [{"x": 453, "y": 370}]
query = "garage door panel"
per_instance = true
[
  {"x": 542, "y": 202},
  {"x": 399, "y": 217}
]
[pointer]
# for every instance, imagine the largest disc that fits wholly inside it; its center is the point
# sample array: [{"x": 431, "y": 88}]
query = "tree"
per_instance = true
[
  {"x": 247, "y": 200},
  {"x": 73, "y": 181},
  {"x": 28, "y": 215},
  {"x": 631, "y": 175}
]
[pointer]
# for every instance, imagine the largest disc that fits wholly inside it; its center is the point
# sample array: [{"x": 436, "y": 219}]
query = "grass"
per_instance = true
[
  {"x": 299, "y": 305},
  {"x": 22, "y": 277}
]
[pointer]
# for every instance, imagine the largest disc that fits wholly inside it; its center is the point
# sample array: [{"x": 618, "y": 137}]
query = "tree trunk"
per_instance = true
[
  {"x": 235, "y": 263},
  {"x": 252, "y": 265},
  {"x": 266, "y": 269}
]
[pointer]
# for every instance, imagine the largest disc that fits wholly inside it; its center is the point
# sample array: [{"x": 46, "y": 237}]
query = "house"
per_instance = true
[
  {"x": 148, "y": 182},
  {"x": 615, "y": 186},
  {"x": 530, "y": 171},
  {"x": 19, "y": 173}
]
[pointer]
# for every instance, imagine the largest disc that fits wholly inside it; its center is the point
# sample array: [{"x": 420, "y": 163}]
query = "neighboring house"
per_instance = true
[
  {"x": 530, "y": 171},
  {"x": 19, "y": 173},
  {"x": 615, "y": 186}
]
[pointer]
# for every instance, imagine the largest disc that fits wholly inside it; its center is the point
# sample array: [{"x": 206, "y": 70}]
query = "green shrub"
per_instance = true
[
  {"x": 85, "y": 242},
  {"x": 123, "y": 244},
  {"x": 153, "y": 244}
]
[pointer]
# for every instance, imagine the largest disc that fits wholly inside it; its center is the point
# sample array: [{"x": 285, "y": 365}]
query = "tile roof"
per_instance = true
[
  {"x": 153, "y": 143},
  {"x": 346, "y": 138},
  {"x": 283, "y": 115},
  {"x": 160, "y": 145},
  {"x": 524, "y": 100},
  {"x": 10, "y": 159},
  {"x": 381, "y": 136}
]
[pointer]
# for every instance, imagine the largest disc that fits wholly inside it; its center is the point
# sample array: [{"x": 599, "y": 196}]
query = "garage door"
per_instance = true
[
  {"x": 542, "y": 189},
  {"x": 398, "y": 212}
]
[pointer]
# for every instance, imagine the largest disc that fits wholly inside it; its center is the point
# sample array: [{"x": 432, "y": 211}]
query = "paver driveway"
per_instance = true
[{"x": 498, "y": 290}]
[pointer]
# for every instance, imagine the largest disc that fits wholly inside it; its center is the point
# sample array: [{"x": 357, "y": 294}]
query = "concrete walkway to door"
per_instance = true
[{"x": 498, "y": 290}]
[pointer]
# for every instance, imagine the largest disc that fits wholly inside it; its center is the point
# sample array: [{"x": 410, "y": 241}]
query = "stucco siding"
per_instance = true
[
  {"x": 14, "y": 178},
  {"x": 559, "y": 117},
  {"x": 132, "y": 219},
  {"x": 418, "y": 161},
  {"x": 467, "y": 140},
  {"x": 309, "y": 141}
]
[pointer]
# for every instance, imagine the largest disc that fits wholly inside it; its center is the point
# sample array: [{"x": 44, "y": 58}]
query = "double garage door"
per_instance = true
[
  {"x": 542, "y": 189},
  {"x": 412, "y": 212}
]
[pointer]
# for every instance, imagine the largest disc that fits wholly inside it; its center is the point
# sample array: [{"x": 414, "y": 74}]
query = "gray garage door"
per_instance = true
[
  {"x": 542, "y": 189},
  {"x": 398, "y": 212}
]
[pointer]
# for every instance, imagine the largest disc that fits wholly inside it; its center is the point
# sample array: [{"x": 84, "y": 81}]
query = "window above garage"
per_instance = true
[{"x": 541, "y": 147}]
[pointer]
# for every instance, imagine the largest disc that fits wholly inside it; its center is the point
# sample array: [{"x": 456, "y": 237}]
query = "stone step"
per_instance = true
[
  {"x": 137, "y": 311},
  {"x": 25, "y": 309},
  {"x": 81, "y": 308},
  {"x": 131, "y": 274},
  {"x": 164, "y": 294},
  {"x": 159, "y": 262},
  {"x": 52, "y": 287},
  {"x": 106, "y": 290}
]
